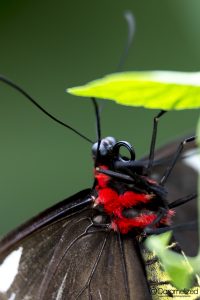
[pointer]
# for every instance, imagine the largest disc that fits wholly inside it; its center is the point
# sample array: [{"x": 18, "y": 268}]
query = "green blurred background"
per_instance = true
[{"x": 47, "y": 46}]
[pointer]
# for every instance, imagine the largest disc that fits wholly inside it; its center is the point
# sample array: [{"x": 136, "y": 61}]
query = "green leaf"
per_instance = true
[
  {"x": 198, "y": 141},
  {"x": 178, "y": 268},
  {"x": 165, "y": 90}
]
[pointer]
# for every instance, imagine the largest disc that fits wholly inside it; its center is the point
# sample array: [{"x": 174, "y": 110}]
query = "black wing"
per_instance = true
[
  {"x": 181, "y": 182},
  {"x": 62, "y": 255}
]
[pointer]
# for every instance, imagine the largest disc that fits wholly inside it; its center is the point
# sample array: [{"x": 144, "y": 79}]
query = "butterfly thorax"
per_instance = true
[{"x": 130, "y": 199}]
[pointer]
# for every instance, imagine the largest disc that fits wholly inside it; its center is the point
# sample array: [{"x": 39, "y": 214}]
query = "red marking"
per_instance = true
[
  {"x": 101, "y": 178},
  {"x": 114, "y": 204},
  {"x": 129, "y": 199},
  {"x": 109, "y": 199},
  {"x": 150, "y": 180},
  {"x": 167, "y": 219},
  {"x": 125, "y": 225}
]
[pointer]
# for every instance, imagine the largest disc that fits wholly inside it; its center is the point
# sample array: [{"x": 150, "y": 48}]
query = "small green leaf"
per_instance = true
[
  {"x": 179, "y": 268},
  {"x": 158, "y": 243},
  {"x": 165, "y": 90}
]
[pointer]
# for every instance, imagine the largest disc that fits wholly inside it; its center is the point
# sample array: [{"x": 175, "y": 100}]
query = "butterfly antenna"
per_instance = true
[
  {"x": 23, "y": 92},
  {"x": 131, "y": 31},
  {"x": 98, "y": 126}
]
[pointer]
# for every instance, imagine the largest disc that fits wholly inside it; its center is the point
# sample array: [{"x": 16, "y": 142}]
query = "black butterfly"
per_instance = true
[{"x": 71, "y": 251}]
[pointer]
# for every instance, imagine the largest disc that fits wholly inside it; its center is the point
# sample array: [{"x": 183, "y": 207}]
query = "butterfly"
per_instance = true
[{"x": 87, "y": 246}]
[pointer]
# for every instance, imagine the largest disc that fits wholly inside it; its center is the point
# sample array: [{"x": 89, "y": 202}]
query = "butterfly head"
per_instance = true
[{"x": 110, "y": 151}]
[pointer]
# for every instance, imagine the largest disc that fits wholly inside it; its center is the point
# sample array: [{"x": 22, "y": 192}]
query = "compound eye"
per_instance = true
[
  {"x": 94, "y": 149},
  {"x": 110, "y": 140},
  {"x": 106, "y": 146},
  {"x": 120, "y": 150}
]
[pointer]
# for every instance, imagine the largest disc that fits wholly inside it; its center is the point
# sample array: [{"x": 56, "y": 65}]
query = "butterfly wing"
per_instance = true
[
  {"x": 181, "y": 182},
  {"x": 62, "y": 255}
]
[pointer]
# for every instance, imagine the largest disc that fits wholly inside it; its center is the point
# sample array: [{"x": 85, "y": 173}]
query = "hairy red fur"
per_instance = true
[
  {"x": 102, "y": 179},
  {"x": 125, "y": 225},
  {"x": 114, "y": 205}
]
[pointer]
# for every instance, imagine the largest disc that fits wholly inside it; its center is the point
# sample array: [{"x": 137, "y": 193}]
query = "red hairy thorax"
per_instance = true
[{"x": 114, "y": 204}]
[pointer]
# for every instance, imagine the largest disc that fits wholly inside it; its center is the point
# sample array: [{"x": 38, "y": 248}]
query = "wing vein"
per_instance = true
[
  {"x": 121, "y": 249},
  {"x": 94, "y": 267}
]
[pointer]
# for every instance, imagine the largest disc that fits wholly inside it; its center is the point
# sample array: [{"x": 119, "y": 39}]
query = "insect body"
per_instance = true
[{"x": 131, "y": 200}]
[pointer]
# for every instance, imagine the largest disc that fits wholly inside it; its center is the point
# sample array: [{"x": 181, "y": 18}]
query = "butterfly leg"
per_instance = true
[
  {"x": 161, "y": 213},
  {"x": 182, "y": 201},
  {"x": 153, "y": 141},
  {"x": 175, "y": 158},
  {"x": 185, "y": 226},
  {"x": 149, "y": 229}
]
